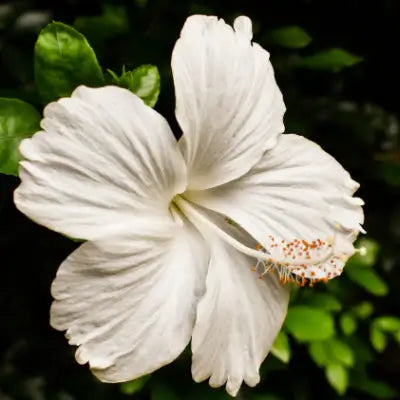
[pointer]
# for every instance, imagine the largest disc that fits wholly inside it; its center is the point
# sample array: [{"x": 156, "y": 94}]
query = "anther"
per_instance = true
[{"x": 362, "y": 251}]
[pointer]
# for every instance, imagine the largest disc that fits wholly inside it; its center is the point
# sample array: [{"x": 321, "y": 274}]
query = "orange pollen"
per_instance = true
[{"x": 299, "y": 261}]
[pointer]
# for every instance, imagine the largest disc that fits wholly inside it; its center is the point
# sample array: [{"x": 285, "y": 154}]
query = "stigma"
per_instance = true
[{"x": 300, "y": 261}]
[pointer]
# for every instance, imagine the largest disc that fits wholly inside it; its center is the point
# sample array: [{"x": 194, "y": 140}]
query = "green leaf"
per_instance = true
[
  {"x": 318, "y": 353},
  {"x": 329, "y": 60},
  {"x": 112, "y": 22},
  {"x": 388, "y": 324},
  {"x": 326, "y": 301},
  {"x": 290, "y": 36},
  {"x": 144, "y": 81},
  {"x": 379, "y": 327},
  {"x": 281, "y": 347},
  {"x": 371, "y": 387},
  {"x": 368, "y": 279},
  {"x": 134, "y": 386},
  {"x": 331, "y": 351},
  {"x": 361, "y": 349},
  {"x": 63, "y": 61},
  {"x": 307, "y": 323},
  {"x": 338, "y": 378},
  {"x": 340, "y": 352},
  {"x": 378, "y": 338},
  {"x": 371, "y": 248},
  {"x": 363, "y": 310},
  {"x": 18, "y": 120},
  {"x": 348, "y": 324}
]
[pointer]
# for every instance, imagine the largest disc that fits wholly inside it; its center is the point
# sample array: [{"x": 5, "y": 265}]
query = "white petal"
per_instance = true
[
  {"x": 228, "y": 104},
  {"x": 102, "y": 159},
  {"x": 296, "y": 191},
  {"x": 237, "y": 319},
  {"x": 129, "y": 302},
  {"x": 243, "y": 25}
]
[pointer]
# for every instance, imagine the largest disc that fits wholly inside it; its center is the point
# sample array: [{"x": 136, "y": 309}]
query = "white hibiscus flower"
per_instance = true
[{"x": 178, "y": 234}]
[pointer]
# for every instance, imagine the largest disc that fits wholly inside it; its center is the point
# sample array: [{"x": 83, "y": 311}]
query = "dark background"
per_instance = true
[{"x": 353, "y": 114}]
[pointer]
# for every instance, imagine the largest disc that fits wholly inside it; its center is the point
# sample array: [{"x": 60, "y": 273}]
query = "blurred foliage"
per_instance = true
[
  {"x": 113, "y": 21},
  {"x": 290, "y": 36},
  {"x": 329, "y": 60},
  {"x": 17, "y": 121},
  {"x": 339, "y": 339}
]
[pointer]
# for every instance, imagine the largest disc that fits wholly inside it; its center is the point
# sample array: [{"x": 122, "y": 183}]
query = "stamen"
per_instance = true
[
  {"x": 196, "y": 217},
  {"x": 362, "y": 251},
  {"x": 298, "y": 261}
]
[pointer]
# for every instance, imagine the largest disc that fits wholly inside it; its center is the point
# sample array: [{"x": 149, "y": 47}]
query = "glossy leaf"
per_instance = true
[
  {"x": 293, "y": 37},
  {"x": 18, "y": 120},
  {"x": 144, "y": 81},
  {"x": 307, "y": 323},
  {"x": 63, "y": 61},
  {"x": 281, "y": 347},
  {"x": 329, "y": 60}
]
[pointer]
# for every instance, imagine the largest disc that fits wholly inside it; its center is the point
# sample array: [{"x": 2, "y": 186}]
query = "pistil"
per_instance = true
[{"x": 299, "y": 261}]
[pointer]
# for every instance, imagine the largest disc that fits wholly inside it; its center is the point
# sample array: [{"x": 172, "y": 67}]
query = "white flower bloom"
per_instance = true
[{"x": 173, "y": 229}]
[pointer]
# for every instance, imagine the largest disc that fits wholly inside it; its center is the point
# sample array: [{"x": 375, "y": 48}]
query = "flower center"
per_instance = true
[{"x": 298, "y": 261}]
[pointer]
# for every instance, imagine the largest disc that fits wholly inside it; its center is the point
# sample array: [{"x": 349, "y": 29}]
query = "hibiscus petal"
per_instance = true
[
  {"x": 129, "y": 301},
  {"x": 297, "y": 192},
  {"x": 237, "y": 319},
  {"x": 103, "y": 158},
  {"x": 227, "y": 101}
]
